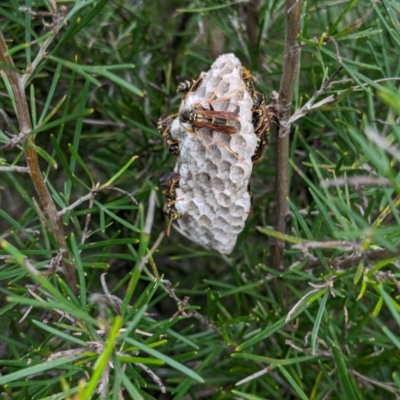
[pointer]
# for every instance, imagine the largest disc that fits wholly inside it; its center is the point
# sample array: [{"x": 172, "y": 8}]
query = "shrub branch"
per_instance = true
[
  {"x": 284, "y": 101},
  {"x": 25, "y": 128}
]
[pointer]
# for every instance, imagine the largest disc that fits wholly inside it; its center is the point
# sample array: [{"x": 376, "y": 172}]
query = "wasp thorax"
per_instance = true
[{"x": 185, "y": 116}]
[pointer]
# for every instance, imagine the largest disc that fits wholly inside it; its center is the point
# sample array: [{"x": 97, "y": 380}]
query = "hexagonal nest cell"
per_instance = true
[{"x": 227, "y": 170}]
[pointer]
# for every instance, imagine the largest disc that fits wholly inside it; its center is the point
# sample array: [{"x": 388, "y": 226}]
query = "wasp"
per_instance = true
[
  {"x": 186, "y": 85},
  {"x": 173, "y": 214},
  {"x": 262, "y": 117},
  {"x": 265, "y": 116},
  {"x": 212, "y": 120},
  {"x": 164, "y": 127},
  {"x": 248, "y": 81},
  {"x": 259, "y": 100},
  {"x": 170, "y": 181},
  {"x": 262, "y": 142}
]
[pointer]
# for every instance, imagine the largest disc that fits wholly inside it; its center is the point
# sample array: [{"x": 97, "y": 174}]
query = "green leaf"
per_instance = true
[
  {"x": 264, "y": 334},
  {"x": 392, "y": 99},
  {"x": 293, "y": 383},
  {"x": 65, "y": 336},
  {"x": 345, "y": 381},
  {"x": 333, "y": 27},
  {"x": 169, "y": 361},
  {"x": 78, "y": 158},
  {"x": 314, "y": 334},
  {"x": 126, "y": 381},
  {"x": 120, "y": 172},
  {"x": 103, "y": 360},
  {"x": 64, "y": 162},
  {"x": 245, "y": 396},
  {"x": 80, "y": 270},
  {"x": 391, "y": 304},
  {"x": 116, "y": 218},
  {"x": 38, "y": 369},
  {"x": 58, "y": 122},
  {"x": 274, "y": 361}
]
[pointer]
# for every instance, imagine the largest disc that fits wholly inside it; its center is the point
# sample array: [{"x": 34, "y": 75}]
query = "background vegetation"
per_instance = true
[{"x": 157, "y": 317}]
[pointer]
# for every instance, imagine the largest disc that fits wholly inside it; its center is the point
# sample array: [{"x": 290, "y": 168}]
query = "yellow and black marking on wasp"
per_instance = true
[
  {"x": 266, "y": 115},
  {"x": 249, "y": 81},
  {"x": 186, "y": 85},
  {"x": 262, "y": 116},
  {"x": 170, "y": 181},
  {"x": 164, "y": 127},
  {"x": 259, "y": 100}
]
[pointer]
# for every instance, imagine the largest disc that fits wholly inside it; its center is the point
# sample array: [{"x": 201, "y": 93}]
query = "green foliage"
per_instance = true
[{"x": 153, "y": 316}]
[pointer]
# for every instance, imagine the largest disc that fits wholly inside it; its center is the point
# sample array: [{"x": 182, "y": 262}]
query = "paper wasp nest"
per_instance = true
[{"x": 215, "y": 168}]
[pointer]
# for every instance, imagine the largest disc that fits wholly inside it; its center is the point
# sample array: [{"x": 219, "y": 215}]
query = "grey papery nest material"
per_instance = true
[{"x": 215, "y": 168}]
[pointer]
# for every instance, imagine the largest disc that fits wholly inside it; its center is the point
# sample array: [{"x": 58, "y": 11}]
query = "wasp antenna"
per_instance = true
[{"x": 202, "y": 140}]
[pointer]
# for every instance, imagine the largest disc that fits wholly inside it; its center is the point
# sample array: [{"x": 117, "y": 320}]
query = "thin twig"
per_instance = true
[
  {"x": 151, "y": 251},
  {"x": 153, "y": 376},
  {"x": 124, "y": 192},
  {"x": 184, "y": 304},
  {"x": 58, "y": 22},
  {"x": 14, "y": 141},
  {"x": 350, "y": 80},
  {"x": 150, "y": 213},
  {"x": 15, "y": 169},
  {"x": 389, "y": 386},
  {"x": 356, "y": 181},
  {"x": 253, "y": 376},
  {"x": 317, "y": 288},
  {"x": 110, "y": 297},
  {"x": 310, "y": 106},
  {"x": 90, "y": 196},
  {"x": 318, "y": 353},
  {"x": 347, "y": 262},
  {"x": 77, "y": 203},
  {"x": 330, "y": 244},
  {"x": 284, "y": 101}
]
